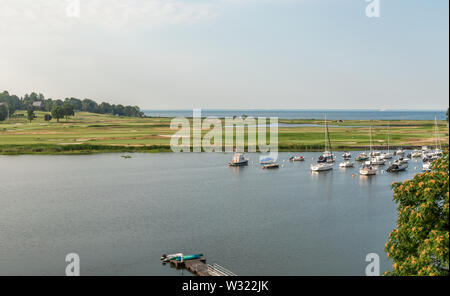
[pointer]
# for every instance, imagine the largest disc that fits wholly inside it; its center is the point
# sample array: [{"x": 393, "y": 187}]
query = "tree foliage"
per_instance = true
[
  {"x": 15, "y": 103},
  {"x": 3, "y": 112},
  {"x": 30, "y": 114},
  {"x": 57, "y": 112},
  {"x": 420, "y": 243}
]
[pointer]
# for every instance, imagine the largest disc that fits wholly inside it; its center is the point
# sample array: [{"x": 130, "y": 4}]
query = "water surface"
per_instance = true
[{"x": 120, "y": 215}]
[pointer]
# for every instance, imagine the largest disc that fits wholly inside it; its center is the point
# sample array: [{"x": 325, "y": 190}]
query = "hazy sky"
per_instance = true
[{"x": 177, "y": 54}]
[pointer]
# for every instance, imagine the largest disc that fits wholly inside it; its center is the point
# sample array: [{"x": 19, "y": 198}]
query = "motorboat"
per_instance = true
[
  {"x": 297, "y": 158},
  {"x": 427, "y": 166},
  {"x": 362, "y": 157},
  {"x": 377, "y": 160},
  {"x": 346, "y": 164},
  {"x": 400, "y": 152},
  {"x": 327, "y": 157},
  {"x": 321, "y": 167},
  {"x": 346, "y": 155},
  {"x": 397, "y": 167},
  {"x": 271, "y": 166},
  {"x": 238, "y": 160},
  {"x": 387, "y": 155},
  {"x": 402, "y": 160},
  {"x": 367, "y": 169},
  {"x": 375, "y": 153},
  {"x": 267, "y": 160},
  {"x": 416, "y": 153}
]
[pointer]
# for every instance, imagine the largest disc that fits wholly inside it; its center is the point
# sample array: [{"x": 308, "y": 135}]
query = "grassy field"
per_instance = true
[{"x": 91, "y": 133}]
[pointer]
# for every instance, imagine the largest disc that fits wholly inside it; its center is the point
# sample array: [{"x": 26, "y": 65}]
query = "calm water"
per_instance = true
[
  {"x": 120, "y": 215},
  {"x": 310, "y": 114}
]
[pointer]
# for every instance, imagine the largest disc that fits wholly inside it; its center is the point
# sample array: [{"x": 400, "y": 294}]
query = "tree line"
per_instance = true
[{"x": 58, "y": 108}]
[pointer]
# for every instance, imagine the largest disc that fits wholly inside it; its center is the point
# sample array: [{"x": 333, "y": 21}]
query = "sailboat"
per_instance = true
[
  {"x": 438, "y": 150},
  {"x": 388, "y": 154},
  {"x": 325, "y": 162},
  {"x": 375, "y": 159}
]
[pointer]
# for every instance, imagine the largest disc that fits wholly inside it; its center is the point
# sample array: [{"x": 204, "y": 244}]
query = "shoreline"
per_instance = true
[{"x": 39, "y": 149}]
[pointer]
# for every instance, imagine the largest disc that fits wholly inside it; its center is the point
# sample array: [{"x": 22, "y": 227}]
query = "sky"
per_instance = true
[{"x": 229, "y": 54}]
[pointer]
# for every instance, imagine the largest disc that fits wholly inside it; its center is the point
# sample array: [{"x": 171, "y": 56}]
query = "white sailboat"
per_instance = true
[
  {"x": 375, "y": 159},
  {"x": 326, "y": 160},
  {"x": 388, "y": 154},
  {"x": 438, "y": 147},
  {"x": 368, "y": 169}
]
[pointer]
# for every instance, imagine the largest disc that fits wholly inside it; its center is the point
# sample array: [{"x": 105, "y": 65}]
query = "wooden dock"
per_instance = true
[{"x": 200, "y": 268}]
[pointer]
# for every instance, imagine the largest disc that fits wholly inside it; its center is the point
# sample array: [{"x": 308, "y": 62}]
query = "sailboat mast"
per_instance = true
[
  {"x": 389, "y": 130},
  {"x": 436, "y": 130},
  {"x": 326, "y": 133},
  {"x": 371, "y": 139},
  {"x": 329, "y": 140}
]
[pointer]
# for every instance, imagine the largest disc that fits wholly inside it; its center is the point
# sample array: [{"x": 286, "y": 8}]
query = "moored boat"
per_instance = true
[
  {"x": 346, "y": 155},
  {"x": 346, "y": 164},
  {"x": 362, "y": 157},
  {"x": 238, "y": 160},
  {"x": 368, "y": 169},
  {"x": 271, "y": 166},
  {"x": 321, "y": 167},
  {"x": 297, "y": 158},
  {"x": 397, "y": 167}
]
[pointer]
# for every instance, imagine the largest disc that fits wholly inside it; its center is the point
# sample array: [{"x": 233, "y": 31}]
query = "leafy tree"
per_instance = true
[
  {"x": 68, "y": 110},
  {"x": 30, "y": 114},
  {"x": 420, "y": 243},
  {"x": 3, "y": 112},
  {"x": 57, "y": 112},
  {"x": 47, "y": 117}
]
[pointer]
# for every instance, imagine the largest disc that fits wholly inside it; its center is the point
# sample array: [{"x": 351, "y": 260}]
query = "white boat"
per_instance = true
[
  {"x": 346, "y": 164},
  {"x": 437, "y": 152},
  {"x": 397, "y": 167},
  {"x": 238, "y": 160},
  {"x": 427, "y": 166},
  {"x": 400, "y": 152},
  {"x": 377, "y": 160},
  {"x": 388, "y": 154},
  {"x": 368, "y": 169},
  {"x": 402, "y": 160},
  {"x": 346, "y": 155},
  {"x": 297, "y": 158},
  {"x": 323, "y": 166},
  {"x": 425, "y": 150},
  {"x": 327, "y": 156},
  {"x": 375, "y": 156},
  {"x": 267, "y": 160},
  {"x": 375, "y": 153},
  {"x": 416, "y": 153}
]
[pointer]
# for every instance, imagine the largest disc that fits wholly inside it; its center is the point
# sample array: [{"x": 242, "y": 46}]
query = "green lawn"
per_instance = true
[{"x": 87, "y": 132}]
